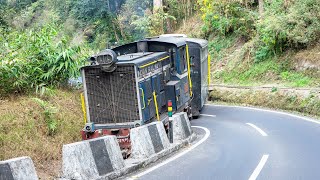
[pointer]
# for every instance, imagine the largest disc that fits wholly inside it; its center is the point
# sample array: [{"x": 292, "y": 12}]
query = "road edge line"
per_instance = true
[{"x": 272, "y": 111}]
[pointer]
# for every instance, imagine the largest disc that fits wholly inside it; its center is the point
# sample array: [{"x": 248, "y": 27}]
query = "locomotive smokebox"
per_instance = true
[{"x": 106, "y": 59}]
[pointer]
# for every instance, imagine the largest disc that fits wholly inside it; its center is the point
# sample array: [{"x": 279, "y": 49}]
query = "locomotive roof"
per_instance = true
[
  {"x": 140, "y": 58},
  {"x": 201, "y": 42},
  {"x": 171, "y": 40}
]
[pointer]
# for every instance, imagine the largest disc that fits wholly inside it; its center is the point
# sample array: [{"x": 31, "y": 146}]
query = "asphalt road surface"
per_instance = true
[{"x": 245, "y": 143}]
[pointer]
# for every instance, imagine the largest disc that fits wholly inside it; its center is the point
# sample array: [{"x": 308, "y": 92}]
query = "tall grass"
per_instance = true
[{"x": 37, "y": 58}]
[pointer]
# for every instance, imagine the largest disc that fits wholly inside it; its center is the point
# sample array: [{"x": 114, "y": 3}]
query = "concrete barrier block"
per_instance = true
[
  {"x": 91, "y": 159},
  {"x": 181, "y": 127},
  {"x": 18, "y": 169},
  {"x": 163, "y": 135},
  {"x": 114, "y": 153},
  {"x": 185, "y": 117},
  {"x": 141, "y": 144},
  {"x": 148, "y": 139},
  {"x": 78, "y": 161}
]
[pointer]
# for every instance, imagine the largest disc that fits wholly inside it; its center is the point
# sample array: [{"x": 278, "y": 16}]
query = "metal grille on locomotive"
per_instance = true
[{"x": 111, "y": 96}]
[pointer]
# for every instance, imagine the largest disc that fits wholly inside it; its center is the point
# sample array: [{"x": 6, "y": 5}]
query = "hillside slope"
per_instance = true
[
  {"x": 279, "y": 45},
  {"x": 38, "y": 127}
]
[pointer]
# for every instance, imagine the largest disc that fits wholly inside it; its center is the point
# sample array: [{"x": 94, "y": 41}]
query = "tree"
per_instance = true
[{"x": 261, "y": 8}]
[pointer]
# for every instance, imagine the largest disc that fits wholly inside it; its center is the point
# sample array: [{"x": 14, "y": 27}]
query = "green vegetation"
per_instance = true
[
  {"x": 251, "y": 47},
  {"x": 31, "y": 59},
  {"x": 44, "y": 42},
  {"x": 38, "y": 126},
  {"x": 264, "y": 73},
  {"x": 48, "y": 112}
]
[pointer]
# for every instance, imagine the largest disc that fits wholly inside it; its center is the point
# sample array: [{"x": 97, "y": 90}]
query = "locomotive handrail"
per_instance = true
[
  {"x": 189, "y": 71},
  {"x": 144, "y": 103},
  {"x": 153, "y": 62},
  {"x": 209, "y": 68},
  {"x": 83, "y": 105},
  {"x": 156, "y": 105}
]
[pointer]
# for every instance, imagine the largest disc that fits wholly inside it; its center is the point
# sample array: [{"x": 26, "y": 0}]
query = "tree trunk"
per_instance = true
[
  {"x": 157, "y": 4},
  {"x": 115, "y": 33},
  {"x": 261, "y": 8}
]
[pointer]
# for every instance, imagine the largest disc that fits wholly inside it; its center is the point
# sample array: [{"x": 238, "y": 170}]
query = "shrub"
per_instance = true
[
  {"x": 48, "y": 112},
  {"x": 227, "y": 17},
  {"x": 32, "y": 58},
  {"x": 294, "y": 27}
]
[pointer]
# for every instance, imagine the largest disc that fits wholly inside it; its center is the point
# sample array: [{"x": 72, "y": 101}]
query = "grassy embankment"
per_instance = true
[
  {"x": 296, "y": 68},
  {"x": 30, "y": 129},
  {"x": 308, "y": 104},
  {"x": 233, "y": 65},
  {"x": 230, "y": 67}
]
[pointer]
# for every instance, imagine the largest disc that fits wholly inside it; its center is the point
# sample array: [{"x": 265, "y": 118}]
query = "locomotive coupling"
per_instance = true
[{"x": 89, "y": 128}]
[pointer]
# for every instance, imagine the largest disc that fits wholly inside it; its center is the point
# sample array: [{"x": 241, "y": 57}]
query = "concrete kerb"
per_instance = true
[
  {"x": 18, "y": 169},
  {"x": 91, "y": 159},
  {"x": 181, "y": 127},
  {"x": 134, "y": 164},
  {"x": 149, "y": 144},
  {"x": 148, "y": 140}
]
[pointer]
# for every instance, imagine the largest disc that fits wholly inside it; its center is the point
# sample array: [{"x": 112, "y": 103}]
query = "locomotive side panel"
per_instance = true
[
  {"x": 204, "y": 75},
  {"x": 151, "y": 81}
]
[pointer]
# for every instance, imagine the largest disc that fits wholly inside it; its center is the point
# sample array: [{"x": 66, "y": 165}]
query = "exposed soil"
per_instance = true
[{"x": 308, "y": 59}]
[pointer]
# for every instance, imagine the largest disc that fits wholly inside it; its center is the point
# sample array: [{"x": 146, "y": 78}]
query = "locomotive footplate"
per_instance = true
[{"x": 122, "y": 134}]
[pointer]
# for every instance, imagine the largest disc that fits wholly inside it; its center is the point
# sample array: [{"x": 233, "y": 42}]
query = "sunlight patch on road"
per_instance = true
[{"x": 208, "y": 115}]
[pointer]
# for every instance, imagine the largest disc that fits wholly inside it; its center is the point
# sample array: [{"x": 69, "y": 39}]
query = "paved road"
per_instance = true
[{"x": 247, "y": 144}]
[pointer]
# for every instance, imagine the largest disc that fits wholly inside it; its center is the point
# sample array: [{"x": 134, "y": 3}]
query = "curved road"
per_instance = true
[{"x": 247, "y": 143}]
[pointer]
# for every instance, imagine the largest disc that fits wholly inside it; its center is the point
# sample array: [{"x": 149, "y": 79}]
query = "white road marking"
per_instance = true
[
  {"x": 258, "y": 129},
  {"x": 208, "y": 115},
  {"x": 258, "y": 169},
  {"x": 206, "y": 136},
  {"x": 271, "y": 111}
]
